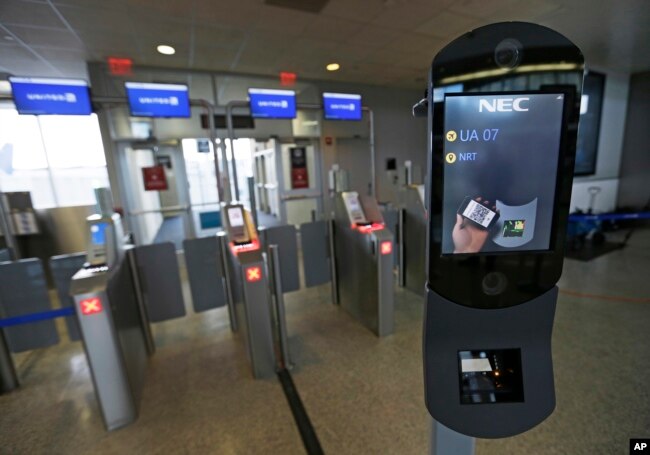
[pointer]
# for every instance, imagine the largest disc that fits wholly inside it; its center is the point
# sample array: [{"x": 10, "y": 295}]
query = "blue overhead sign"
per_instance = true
[
  {"x": 44, "y": 96},
  {"x": 267, "y": 103},
  {"x": 158, "y": 100},
  {"x": 342, "y": 106}
]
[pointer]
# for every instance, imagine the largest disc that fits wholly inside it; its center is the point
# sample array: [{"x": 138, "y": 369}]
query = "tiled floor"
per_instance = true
[{"x": 363, "y": 394}]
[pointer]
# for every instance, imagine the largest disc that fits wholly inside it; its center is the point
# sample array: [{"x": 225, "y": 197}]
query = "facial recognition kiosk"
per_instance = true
[
  {"x": 112, "y": 320},
  {"x": 363, "y": 248},
  {"x": 413, "y": 234},
  {"x": 249, "y": 289},
  {"x": 501, "y": 157}
]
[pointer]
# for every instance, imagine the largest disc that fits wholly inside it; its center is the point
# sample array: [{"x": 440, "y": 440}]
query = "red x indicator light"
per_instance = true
[
  {"x": 253, "y": 274},
  {"x": 91, "y": 306},
  {"x": 386, "y": 247}
]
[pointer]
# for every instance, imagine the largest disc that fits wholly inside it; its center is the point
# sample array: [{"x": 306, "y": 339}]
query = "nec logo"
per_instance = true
[
  {"x": 639, "y": 446},
  {"x": 503, "y": 105}
]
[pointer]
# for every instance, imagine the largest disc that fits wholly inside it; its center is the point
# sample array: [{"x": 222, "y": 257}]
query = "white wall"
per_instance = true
[{"x": 610, "y": 147}]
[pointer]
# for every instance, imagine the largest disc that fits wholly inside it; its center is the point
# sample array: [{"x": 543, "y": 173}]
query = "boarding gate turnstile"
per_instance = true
[
  {"x": 116, "y": 303},
  {"x": 412, "y": 238},
  {"x": 112, "y": 320},
  {"x": 363, "y": 248},
  {"x": 247, "y": 287}
]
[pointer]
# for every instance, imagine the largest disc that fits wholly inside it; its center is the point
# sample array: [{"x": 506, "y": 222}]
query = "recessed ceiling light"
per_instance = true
[
  {"x": 165, "y": 49},
  {"x": 333, "y": 67}
]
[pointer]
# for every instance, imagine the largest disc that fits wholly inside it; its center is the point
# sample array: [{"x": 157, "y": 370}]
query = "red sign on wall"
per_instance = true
[
  {"x": 120, "y": 66},
  {"x": 287, "y": 78},
  {"x": 299, "y": 178},
  {"x": 154, "y": 178},
  {"x": 299, "y": 175}
]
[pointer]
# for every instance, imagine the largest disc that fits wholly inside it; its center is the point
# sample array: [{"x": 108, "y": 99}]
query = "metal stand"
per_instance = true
[
  {"x": 227, "y": 282},
  {"x": 142, "y": 308},
  {"x": 8, "y": 377},
  {"x": 401, "y": 277},
  {"x": 253, "y": 200},
  {"x": 363, "y": 280},
  {"x": 254, "y": 312},
  {"x": 281, "y": 323},
  {"x": 413, "y": 245},
  {"x": 117, "y": 374},
  {"x": 444, "y": 441},
  {"x": 332, "y": 252}
]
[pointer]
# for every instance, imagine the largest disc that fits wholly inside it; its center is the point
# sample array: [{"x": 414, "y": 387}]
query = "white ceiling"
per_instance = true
[{"x": 383, "y": 42}]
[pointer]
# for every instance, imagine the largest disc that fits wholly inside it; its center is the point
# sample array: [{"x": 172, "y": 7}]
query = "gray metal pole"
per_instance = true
[
  {"x": 213, "y": 141},
  {"x": 7, "y": 231},
  {"x": 225, "y": 176},
  {"x": 401, "y": 213},
  {"x": 373, "y": 165},
  {"x": 253, "y": 200},
  {"x": 190, "y": 231},
  {"x": 334, "y": 280},
  {"x": 223, "y": 246},
  {"x": 8, "y": 377},
  {"x": 445, "y": 441},
  {"x": 231, "y": 139},
  {"x": 285, "y": 359}
]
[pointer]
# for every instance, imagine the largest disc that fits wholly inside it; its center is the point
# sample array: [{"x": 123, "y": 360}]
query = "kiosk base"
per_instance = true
[
  {"x": 445, "y": 441},
  {"x": 489, "y": 373}
]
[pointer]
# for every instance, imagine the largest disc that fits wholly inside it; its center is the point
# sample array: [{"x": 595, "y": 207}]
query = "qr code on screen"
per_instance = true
[{"x": 478, "y": 213}]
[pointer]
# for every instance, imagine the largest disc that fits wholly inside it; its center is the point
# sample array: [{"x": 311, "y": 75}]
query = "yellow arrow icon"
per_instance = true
[{"x": 451, "y": 135}]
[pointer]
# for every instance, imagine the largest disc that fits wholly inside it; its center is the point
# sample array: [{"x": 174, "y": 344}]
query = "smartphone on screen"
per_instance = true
[
  {"x": 477, "y": 213},
  {"x": 238, "y": 225}
]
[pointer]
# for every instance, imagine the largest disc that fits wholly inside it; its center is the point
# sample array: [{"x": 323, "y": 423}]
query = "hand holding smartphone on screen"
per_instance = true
[{"x": 474, "y": 219}]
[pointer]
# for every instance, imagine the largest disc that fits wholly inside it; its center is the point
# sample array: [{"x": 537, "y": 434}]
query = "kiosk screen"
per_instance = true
[
  {"x": 97, "y": 249},
  {"x": 98, "y": 234},
  {"x": 236, "y": 217},
  {"x": 353, "y": 206},
  {"x": 237, "y": 225},
  {"x": 501, "y": 163}
]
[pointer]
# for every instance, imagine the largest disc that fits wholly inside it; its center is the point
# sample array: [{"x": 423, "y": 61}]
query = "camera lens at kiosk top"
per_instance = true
[
  {"x": 507, "y": 54},
  {"x": 494, "y": 283}
]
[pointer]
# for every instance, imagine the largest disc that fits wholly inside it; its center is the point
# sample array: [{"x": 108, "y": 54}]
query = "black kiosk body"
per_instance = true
[{"x": 503, "y": 109}]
